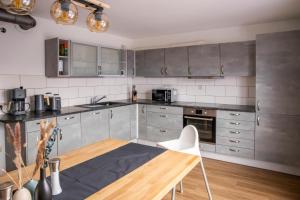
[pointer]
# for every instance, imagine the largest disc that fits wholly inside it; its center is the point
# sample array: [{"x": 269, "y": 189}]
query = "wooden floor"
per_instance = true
[{"x": 230, "y": 181}]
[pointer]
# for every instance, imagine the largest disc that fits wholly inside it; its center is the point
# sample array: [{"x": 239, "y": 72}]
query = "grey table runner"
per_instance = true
[{"x": 87, "y": 178}]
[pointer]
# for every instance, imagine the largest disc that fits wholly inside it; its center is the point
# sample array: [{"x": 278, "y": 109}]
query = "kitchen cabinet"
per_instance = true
[
  {"x": 56, "y": 63},
  {"x": 238, "y": 58},
  {"x": 278, "y": 96},
  {"x": 176, "y": 62},
  {"x": 150, "y": 63},
  {"x": 130, "y": 63},
  {"x": 142, "y": 121},
  {"x": 204, "y": 60},
  {"x": 94, "y": 126},
  {"x": 70, "y": 136},
  {"x": 111, "y": 62},
  {"x": 2, "y": 147},
  {"x": 133, "y": 121},
  {"x": 32, "y": 137},
  {"x": 84, "y": 60},
  {"x": 120, "y": 123}
]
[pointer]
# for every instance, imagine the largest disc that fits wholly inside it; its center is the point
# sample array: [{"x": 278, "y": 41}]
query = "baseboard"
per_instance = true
[{"x": 242, "y": 161}]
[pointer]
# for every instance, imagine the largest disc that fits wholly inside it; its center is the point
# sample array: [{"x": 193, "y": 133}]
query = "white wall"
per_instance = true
[{"x": 231, "y": 34}]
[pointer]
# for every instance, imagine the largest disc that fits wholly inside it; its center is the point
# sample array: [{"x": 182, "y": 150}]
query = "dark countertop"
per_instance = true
[{"x": 6, "y": 118}]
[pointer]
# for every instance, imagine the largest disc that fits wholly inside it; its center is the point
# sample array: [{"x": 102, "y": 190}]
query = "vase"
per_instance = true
[
  {"x": 22, "y": 194},
  {"x": 43, "y": 189},
  {"x": 31, "y": 185}
]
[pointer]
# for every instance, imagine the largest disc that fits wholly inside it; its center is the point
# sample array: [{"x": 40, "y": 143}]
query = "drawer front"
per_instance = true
[
  {"x": 234, "y": 124},
  {"x": 207, "y": 147},
  {"x": 235, "y": 142},
  {"x": 32, "y": 139},
  {"x": 169, "y": 121},
  {"x": 155, "y": 134},
  {"x": 165, "y": 109},
  {"x": 243, "y": 116},
  {"x": 68, "y": 119},
  {"x": 236, "y": 133},
  {"x": 34, "y": 125},
  {"x": 234, "y": 151}
]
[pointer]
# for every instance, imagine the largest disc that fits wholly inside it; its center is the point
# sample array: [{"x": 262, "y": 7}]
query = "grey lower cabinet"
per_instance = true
[
  {"x": 150, "y": 63},
  {"x": 164, "y": 123},
  {"x": 277, "y": 136},
  {"x": 238, "y": 58},
  {"x": 70, "y": 137},
  {"x": 204, "y": 60},
  {"x": 120, "y": 123},
  {"x": 133, "y": 121},
  {"x": 2, "y": 147},
  {"x": 84, "y": 60},
  {"x": 176, "y": 62},
  {"x": 32, "y": 137},
  {"x": 235, "y": 133},
  {"x": 142, "y": 121},
  {"x": 94, "y": 126}
]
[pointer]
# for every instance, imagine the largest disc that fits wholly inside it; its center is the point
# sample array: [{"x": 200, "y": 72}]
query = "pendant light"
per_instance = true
[
  {"x": 18, "y": 7},
  {"x": 97, "y": 21},
  {"x": 64, "y": 12}
]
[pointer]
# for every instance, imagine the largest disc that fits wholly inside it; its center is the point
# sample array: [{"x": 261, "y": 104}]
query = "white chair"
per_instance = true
[{"x": 188, "y": 142}]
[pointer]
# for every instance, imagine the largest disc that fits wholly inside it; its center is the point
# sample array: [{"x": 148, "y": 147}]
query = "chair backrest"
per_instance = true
[{"x": 189, "y": 137}]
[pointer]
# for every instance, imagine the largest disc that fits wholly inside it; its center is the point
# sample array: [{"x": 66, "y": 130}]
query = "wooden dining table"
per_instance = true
[{"x": 153, "y": 180}]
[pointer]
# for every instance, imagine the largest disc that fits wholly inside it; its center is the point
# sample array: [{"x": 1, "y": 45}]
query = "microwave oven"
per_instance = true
[{"x": 164, "y": 95}]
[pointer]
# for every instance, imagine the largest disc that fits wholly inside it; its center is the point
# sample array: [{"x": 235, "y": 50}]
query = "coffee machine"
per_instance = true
[{"x": 16, "y": 104}]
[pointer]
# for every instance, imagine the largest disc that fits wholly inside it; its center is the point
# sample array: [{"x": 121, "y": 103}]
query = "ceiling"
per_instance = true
[{"x": 148, "y": 18}]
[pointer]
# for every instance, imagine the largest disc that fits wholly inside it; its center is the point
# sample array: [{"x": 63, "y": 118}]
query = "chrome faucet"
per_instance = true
[{"x": 96, "y": 99}]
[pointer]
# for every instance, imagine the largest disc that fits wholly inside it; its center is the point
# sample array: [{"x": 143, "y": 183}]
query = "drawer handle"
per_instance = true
[
  {"x": 95, "y": 113},
  {"x": 235, "y": 132},
  {"x": 68, "y": 118},
  {"x": 163, "y": 108},
  {"x": 235, "y": 114},
  {"x": 234, "y": 150},
  {"x": 234, "y": 141},
  {"x": 163, "y": 116},
  {"x": 235, "y": 123},
  {"x": 38, "y": 123},
  {"x": 163, "y": 131}
]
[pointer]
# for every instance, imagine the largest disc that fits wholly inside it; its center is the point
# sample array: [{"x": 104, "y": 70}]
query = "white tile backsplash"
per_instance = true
[
  {"x": 9, "y": 81},
  {"x": 71, "y": 92},
  {"x": 57, "y": 82},
  {"x": 215, "y": 91},
  {"x": 33, "y": 81},
  {"x": 81, "y": 82},
  {"x": 85, "y": 91}
]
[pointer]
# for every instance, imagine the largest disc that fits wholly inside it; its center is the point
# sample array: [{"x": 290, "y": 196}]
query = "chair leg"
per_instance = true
[
  {"x": 205, "y": 179},
  {"x": 173, "y": 193},
  {"x": 181, "y": 187}
]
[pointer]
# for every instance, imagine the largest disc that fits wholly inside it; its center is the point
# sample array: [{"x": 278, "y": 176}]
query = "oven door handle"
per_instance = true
[{"x": 199, "y": 118}]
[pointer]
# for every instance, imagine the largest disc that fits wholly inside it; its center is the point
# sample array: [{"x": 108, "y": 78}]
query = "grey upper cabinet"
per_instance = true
[
  {"x": 142, "y": 116},
  {"x": 111, "y": 62},
  {"x": 70, "y": 137},
  {"x": 120, "y": 123},
  {"x": 204, "y": 60},
  {"x": 277, "y": 136},
  {"x": 130, "y": 63},
  {"x": 94, "y": 126},
  {"x": 2, "y": 147},
  {"x": 150, "y": 63},
  {"x": 84, "y": 59},
  {"x": 176, "y": 61},
  {"x": 238, "y": 58}
]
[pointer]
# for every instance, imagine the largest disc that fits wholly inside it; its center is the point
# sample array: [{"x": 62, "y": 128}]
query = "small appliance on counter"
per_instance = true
[
  {"x": 167, "y": 95},
  {"x": 47, "y": 102},
  {"x": 16, "y": 101}
]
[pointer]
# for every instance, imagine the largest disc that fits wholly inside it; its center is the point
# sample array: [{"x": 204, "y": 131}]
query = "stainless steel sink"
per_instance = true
[{"x": 97, "y": 105}]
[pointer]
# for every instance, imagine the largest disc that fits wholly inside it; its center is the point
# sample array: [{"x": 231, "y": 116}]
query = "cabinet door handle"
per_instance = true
[
  {"x": 166, "y": 71},
  {"x": 163, "y": 108},
  {"x": 234, "y": 141},
  {"x": 111, "y": 114},
  {"x": 189, "y": 71},
  {"x": 99, "y": 70},
  {"x": 235, "y": 123},
  {"x": 235, "y": 114},
  {"x": 68, "y": 118},
  {"x": 235, "y": 132},
  {"x": 143, "y": 109},
  {"x": 163, "y": 116},
  {"x": 60, "y": 134},
  {"x": 258, "y": 105},
  {"x": 258, "y": 120},
  {"x": 163, "y": 131},
  {"x": 162, "y": 71},
  {"x": 222, "y": 70},
  {"x": 234, "y": 150},
  {"x": 96, "y": 113}
]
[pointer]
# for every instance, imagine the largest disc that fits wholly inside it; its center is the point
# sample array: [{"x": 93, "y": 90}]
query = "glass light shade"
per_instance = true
[
  {"x": 18, "y": 7},
  {"x": 97, "y": 22},
  {"x": 64, "y": 12}
]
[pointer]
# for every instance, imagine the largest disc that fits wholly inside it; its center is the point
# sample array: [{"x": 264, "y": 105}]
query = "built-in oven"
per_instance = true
[{"x": 205, "y": 122}]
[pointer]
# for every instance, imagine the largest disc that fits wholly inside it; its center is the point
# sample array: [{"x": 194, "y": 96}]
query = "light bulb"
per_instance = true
[
  {"x": 97, "y": 21},
  {"x": 64, "y": 12},
  {"x": 18, "y": 7}
]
